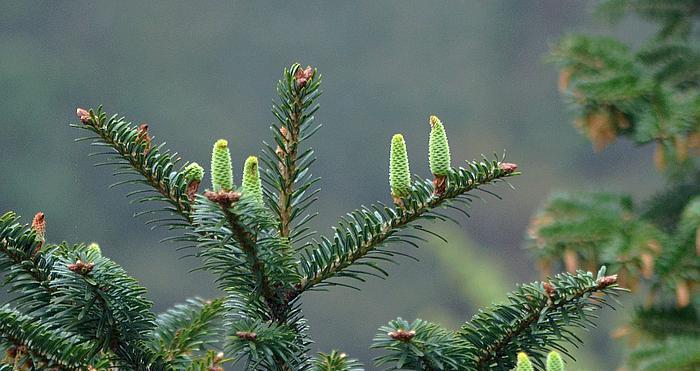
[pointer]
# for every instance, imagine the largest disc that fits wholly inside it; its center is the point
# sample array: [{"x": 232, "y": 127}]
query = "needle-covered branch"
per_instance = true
[
  {"x": 537, "y": 317},
  {"x": 287, "y": 178},
  {"x": 40, "y": 345},
  {"x": 26, "y": 269},
  {"x": 134, "y": 153},
  {"x": 361, "y": 236},
  {"x": 102, "y": 304},
  {"x": 187, "y": 331}
]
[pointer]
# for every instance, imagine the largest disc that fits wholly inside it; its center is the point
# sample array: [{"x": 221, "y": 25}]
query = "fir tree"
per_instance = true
[
  {"x": 652, "y": 96},
  {"x": 76, "y": 309}
]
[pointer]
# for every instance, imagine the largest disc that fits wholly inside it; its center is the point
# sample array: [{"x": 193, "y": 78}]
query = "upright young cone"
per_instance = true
[
  {"x": 399, "y": 172},
  {"x": 252, "y": 186},
  {"x": 95, "y": 248},
  {"x": 554, "y": 362},
  {"x": 438, "y": 148},
  {"x": 524, "y": 363},
  {"x": 221, "y": 169},
  {"x": 193, "y": 172}
]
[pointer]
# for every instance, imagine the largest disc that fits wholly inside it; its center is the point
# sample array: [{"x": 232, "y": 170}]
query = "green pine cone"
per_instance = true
[
  {"x": 438, "y": 148},
  {"x": 221, "y": 170},
  {"x": 554, "y": 362},
  {"x": 193, "y": 172},
  {"x": 524, "y": 363},
  {"x": 399, "y": 172},
  {"x": 252, "y": 186},
  {"x": 94, "y": 248}
]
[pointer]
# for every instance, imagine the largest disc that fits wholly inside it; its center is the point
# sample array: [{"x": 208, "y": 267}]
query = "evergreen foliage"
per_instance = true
[
  {"x": 650, "y": 95},
  {"x": 75, "y": 308}
]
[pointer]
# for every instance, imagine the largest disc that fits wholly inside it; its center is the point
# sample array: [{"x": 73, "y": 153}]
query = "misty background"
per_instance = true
[{"x": 199, "y": 71}]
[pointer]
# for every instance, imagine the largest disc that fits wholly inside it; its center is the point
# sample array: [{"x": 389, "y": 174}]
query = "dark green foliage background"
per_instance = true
[{"x": 198, "y": 72}]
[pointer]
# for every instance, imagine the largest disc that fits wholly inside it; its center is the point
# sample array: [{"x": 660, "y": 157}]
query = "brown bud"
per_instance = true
[
  {"x": 83, "y": 115},
  {"x": 682, "y": 294},
  {"x": 606, "y": 281},
  {"x": 81, "y": 267},
  {"x": 223, "y": 198},
  {"x": 508, "y": 167},
  {"x": 39, "y": 227},
  {"x": 245, "y": 335},
  {"x": 439, "y": 185},
  {"x": 647, "y": 264},
  {"x": 549, "y": 289},
  {"x": 600, "y": 129},
  {"x": 143, "y": 137},
  {"x": 192, "y": 188},
  {"x": 402, "y": 335},
  {"x": 302, "y": 76},
  {"x": 570, "y": 260},
  {"x": 219, "y": 357},
  {"x": 565, "y": 78}
]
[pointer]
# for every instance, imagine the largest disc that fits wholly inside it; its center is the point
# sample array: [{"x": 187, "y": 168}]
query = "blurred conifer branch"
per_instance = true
[{"x": 651, "y": 95}]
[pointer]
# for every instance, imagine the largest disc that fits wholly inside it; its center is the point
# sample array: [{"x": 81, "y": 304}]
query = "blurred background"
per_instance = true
[{"x": 199, "y": 72}]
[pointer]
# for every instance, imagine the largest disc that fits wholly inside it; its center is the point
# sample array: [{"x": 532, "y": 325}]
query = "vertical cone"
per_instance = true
[
  {"x": 221, "y": 170},
  {"x": 193, "y": 175},
  {"x": 438, "y": 148},
  {"x": 94, "y": 248},
  {"x": 399, "y": 171},
  {"x": 554, "y": 362},
  {"x": 524, "y": 363},
  {"x": 252, "y": 186}
]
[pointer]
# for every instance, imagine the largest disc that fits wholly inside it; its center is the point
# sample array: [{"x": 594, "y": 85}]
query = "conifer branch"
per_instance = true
[
  {"x": 51, "y": 348},
  {"x": 535, "y": 318},
  {"x": 134, "y": 153},
  {"x": 287, "y": 176},
  {"x": 368, "y": 229},
  {"x": 25, "y": 269},
  {"x": 187, "y": 330}
]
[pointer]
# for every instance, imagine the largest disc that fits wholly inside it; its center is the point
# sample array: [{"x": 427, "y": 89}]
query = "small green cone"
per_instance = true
[
  {"x": 399, "y": 171},
  {"x": 524, "y": 363},
  {"x": 554, "y": 362},
  {"x": 94, "y": 248},
  {"x": 221, "y": 170},
  {"x": 193, "y": 172},
  {"x": 438, "y": 148},
  {"x": 252, "y": 186}
]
